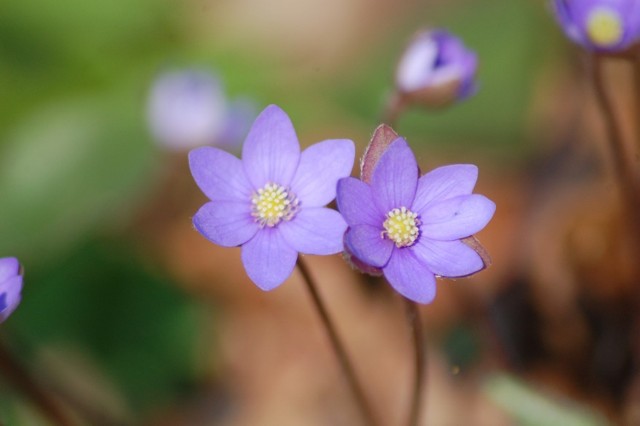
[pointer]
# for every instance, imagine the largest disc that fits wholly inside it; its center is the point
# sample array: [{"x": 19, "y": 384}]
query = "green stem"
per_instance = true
[{"x": 338, "y": 347}]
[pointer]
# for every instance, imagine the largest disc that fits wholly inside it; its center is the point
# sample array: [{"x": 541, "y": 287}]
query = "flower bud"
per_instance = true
[
  {"x": 435, "y": 70},
  {"x": 600, "y": 25}
]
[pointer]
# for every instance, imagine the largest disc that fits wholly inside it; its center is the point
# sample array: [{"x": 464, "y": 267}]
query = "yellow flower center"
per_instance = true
[
  {"x": 401, "y": 227},
  {"x": 272, "y": 204},
  {"x": 604, "y": 27}
]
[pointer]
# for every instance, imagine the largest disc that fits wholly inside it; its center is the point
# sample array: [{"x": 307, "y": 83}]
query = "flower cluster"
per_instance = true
[
  {"x": 10, "y": 286},
  {"x": 600, "y": 25},
  {"x": 271, "y": 202}
]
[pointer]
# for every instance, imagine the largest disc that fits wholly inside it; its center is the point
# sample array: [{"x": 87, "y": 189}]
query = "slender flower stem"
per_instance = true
[
  {"x": 623, "y": 163},
  {"x": 413, "y": 318},
  {"x": 392, "y": 110},
  {"x": 15, "y": 373},
  {"x": 338, "y": 347}
]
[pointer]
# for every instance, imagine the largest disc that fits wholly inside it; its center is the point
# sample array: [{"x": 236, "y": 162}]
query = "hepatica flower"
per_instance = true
[
  {"x": 436, "y": 68},
  {"x": 189, "y": 108},
  {"x": 602, "y": 25},
  {"x": 10, "y": 286},
  {"x": 411, "y": 227},
  {"x": 271, "y": 202}
]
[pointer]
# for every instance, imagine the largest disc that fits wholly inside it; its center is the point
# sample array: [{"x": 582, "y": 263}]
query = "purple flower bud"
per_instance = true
[
  {"x": 436, "y": 69},
  {"x": 10, "y": 286},
  {"x": 600, "y": 25},
  {"x": 188, "y": 109}
]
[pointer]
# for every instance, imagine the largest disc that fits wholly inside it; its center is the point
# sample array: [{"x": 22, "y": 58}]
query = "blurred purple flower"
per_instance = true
[
  {"x": 436, "y": 68},
  {"x": 411, "y": 227},
  {"x": 10, "y": 286},
  {"x": 189, "y": 108},
  {"x": 602, "y": 25},
  {"x": 272, "y": 201}
]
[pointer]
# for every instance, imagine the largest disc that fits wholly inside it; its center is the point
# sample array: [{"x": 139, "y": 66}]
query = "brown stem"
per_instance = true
[
  {"x": 413, "y": 318},
  {"x": 623, "y": 163},
  {"x": 18, "y": 376},
  {"x": 338, "y": 347},
  {"x": 394, "y": 107}
]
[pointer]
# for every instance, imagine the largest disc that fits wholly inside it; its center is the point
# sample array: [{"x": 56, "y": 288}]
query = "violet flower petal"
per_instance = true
[
  {"x": 448, "y": 258},
  {"x": 271, "y": 151},
  {"x": 410, "y": 277},
  {"x": 395, "y": 178},
  {"x": 268, "y": 259},
  {"x": 219, "y": 175},
  {"x": 445, "y": 182},
  {"x": 355, "y": 202},
  {"x": 366, "y": 243},
  {"x": 320, "y": 167},
  {"x": 226, "y": 223},
  {"x": 9, "y": 267},
  {"x": 457, "y": 217},
  {"x": 10, "y": 291},
  {"x": 315, "y": 231}
]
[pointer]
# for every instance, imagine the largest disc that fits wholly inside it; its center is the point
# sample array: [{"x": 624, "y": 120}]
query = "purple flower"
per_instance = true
[
  {"x": 10, "y": 286},
  {"x": 601, "y": 25},
  {"x": 189, "y": 108},
  {"x": 411, "y": 227},
  {"x": 272, "y": 201},
  {"x": 436, "y": 68}
]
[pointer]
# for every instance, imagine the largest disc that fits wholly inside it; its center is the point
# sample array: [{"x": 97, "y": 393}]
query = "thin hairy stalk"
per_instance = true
[
  {"x": 623, "y": 162},
  {"x": 18, "y": 376},
  {"x": 338, "y": 347},
  {"x": 415, "y": 325}
]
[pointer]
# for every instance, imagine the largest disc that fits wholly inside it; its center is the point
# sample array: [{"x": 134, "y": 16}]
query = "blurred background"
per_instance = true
[{"x": 130, "y": 317}]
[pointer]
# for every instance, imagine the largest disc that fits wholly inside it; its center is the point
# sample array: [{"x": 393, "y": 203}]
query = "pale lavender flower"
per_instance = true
[
  {"x": 601, "y": 25},
  {"x": 10, "y": 286},
  {"x": 271, "y": 202},
  {"x": 436, "y": 68},
  {"x": 187, "y": 109},
  {"x": 411, "y": 227}
]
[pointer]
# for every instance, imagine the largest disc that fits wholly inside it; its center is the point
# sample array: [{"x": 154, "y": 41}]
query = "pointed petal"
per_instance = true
[
  {"x": 395, "y": 178},
  {"x": 9, "y": 267},
  {"x": 367, "y": 244},
  {"x": 355, "y": 202},
  {"x": 457, "y": 217},
  {"x": 448, "y": 258},
  {"x": 226, "y": 223},
  {"x": 315, "y": 231},
  {"x": 320, "y": 167},
  {"x": 271, "y": 151},
  {"x": 268, "y": 259},
  {"x": 10, "y": 295},
  {"x": 445, "y": 182},
  {"x": 410, "y": 277},
  {"x": 219, "y": 174}
]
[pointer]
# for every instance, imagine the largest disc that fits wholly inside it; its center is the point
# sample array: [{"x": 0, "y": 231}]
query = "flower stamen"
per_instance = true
[
  {"x": 401, "y": 227},
  {"x": 604, "y": 27},
  {"x": 272, "y": 204}
]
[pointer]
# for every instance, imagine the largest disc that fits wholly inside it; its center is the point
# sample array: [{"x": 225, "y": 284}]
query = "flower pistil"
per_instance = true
[{"x": 401, "y": 227}]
